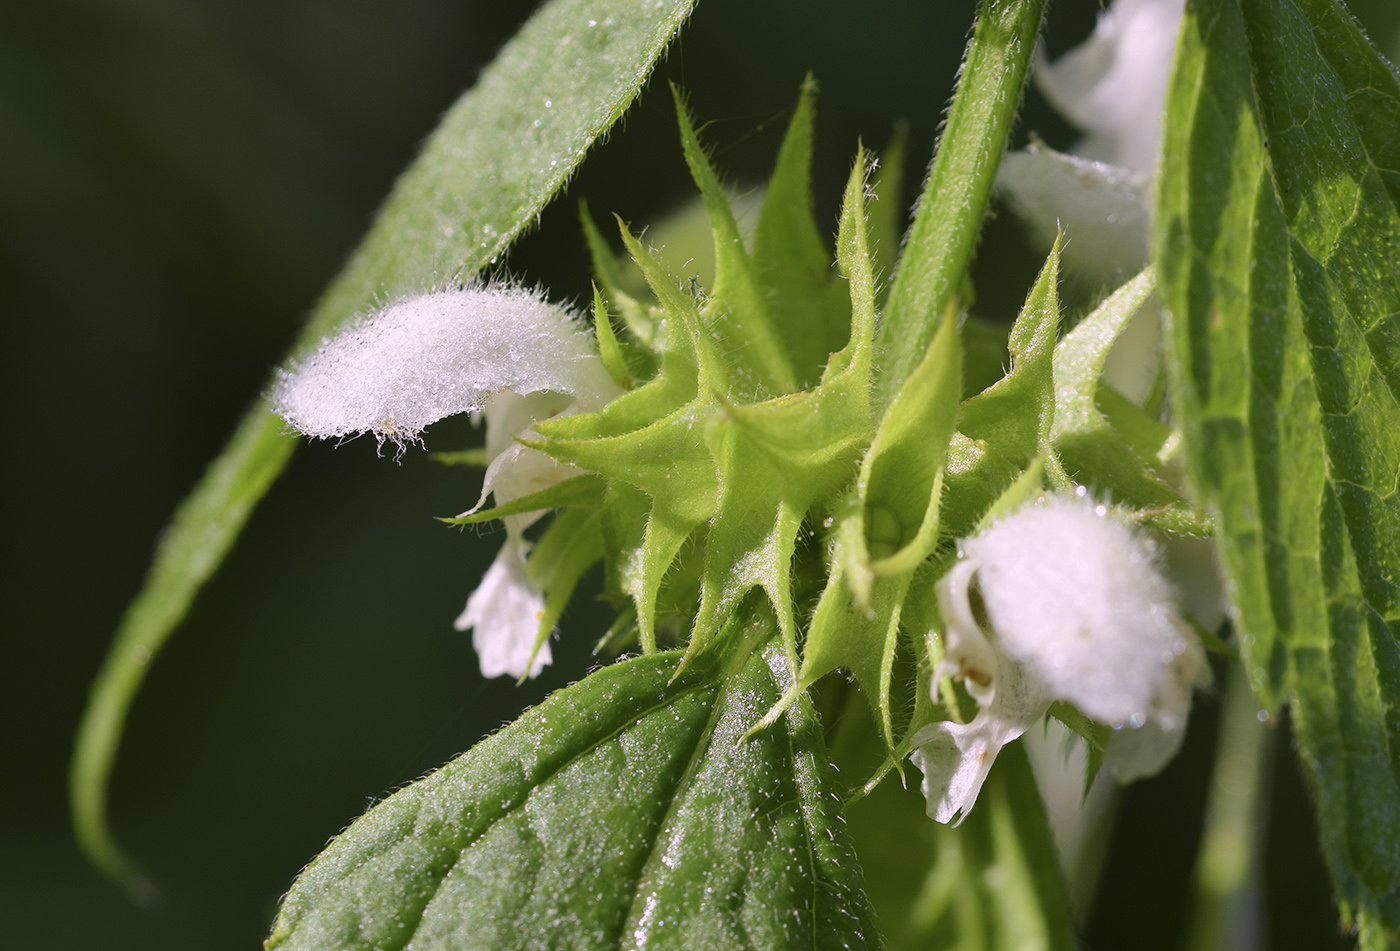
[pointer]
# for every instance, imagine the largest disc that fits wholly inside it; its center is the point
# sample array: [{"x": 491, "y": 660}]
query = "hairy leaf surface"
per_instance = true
[
  {"x": 625, "y": 811},
  {"x": 1279, "y": 247}
]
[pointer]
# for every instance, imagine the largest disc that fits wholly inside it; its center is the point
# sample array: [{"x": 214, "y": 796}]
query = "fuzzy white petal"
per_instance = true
[
  {"x": 1114, "y": 84},
  {"x": 1075, "y": 595},
  {"x": 419, "y": 360},
  {"x": 504, "y": 615}
]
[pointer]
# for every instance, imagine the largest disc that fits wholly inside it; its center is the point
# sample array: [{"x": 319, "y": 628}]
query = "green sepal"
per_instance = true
[
  {"x": 609, "y": 349},
  {"x": 809, "y": 311},
  {"x": 636, "y": 316},
  {"x": 1089, "y": 446},
  {"x": 1016, "y": 414},
  {"x": 1002, "y": 428},
  {"x": 1150, "y": 439},
  {"x": 1028, "y": 486},
  {"x": 780, "y": 458},
  {"x": 887, "y": 211},
  {"x": 856, "y": 625},
  {"x": 570, "y": 546},
  {"x": 859, "y": 637},
  {"x": 475, "y": 458},
  {"x": 910, "y": 449},
  {"x": 584, "y": 490},
  {"x": 654, "y": 439},
  {"x": 736, "y": 309},
  {"x": 1095, "y": 737}
]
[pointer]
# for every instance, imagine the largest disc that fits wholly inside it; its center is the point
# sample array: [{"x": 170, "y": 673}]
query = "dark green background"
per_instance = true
[{"x": 178, "y": 179}]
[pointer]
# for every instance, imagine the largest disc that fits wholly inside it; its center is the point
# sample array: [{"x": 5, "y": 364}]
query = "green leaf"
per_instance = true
[
  {"x": 481, "y": 179},
  {"x": 1278, "y": 238},
  {"x": 954, "y": 200},
  {"x": 625, "y": 811}
]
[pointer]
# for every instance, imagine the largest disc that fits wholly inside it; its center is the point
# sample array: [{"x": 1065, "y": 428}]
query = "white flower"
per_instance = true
[
  {"x": 503, "y": 351},
  {"x": 1103, "y": 209},
  {"x": 1076, "y": 610},
  {"x": 1114, "y": 84}
]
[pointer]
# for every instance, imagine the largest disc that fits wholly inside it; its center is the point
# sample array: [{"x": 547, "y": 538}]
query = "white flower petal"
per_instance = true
[
  {"x": 1102, "y": 209},
  {"x": 515, "y": 470},
  {"x": 504, "y": 615},
  {"x": 416, "y": 361},
  {"x": 1114, "y": 84},
  {"x": 1137, "y": 754},
  {"x": 955, "y": 757},
  {"x": 1076, "y": 610}
]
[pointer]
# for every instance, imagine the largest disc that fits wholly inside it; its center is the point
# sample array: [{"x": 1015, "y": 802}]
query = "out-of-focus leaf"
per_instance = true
[
  {"x": 501, "y": 152},
  {"x": 626, "y": 811},
  {"x": 1278, "y": 241}
]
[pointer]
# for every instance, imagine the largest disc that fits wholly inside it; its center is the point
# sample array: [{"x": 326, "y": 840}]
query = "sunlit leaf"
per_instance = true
[{"x": 1278, "y": 238}]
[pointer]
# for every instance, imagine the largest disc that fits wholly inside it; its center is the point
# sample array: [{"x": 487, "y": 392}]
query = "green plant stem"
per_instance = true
[
  {"x": 1225, "y": 910},
  {"x": 959, "y": 184}
]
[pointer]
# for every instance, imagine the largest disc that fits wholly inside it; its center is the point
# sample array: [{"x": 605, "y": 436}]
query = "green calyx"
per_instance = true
[{"x": 750, "y": 453}]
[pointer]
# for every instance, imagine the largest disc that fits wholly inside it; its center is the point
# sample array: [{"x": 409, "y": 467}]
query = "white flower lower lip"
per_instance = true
[{"x": 503, "y": 614}]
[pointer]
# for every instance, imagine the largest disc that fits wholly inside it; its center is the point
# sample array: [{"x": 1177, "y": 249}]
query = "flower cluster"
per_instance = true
[{"x": 693, "y": 452}]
